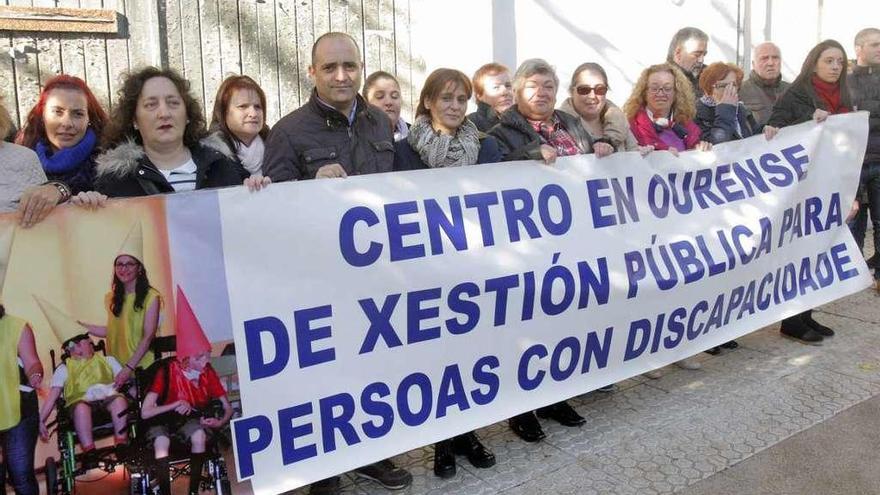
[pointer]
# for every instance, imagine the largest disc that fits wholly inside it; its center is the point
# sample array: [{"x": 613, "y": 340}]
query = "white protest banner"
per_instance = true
[{"x": 377, "y": 314}]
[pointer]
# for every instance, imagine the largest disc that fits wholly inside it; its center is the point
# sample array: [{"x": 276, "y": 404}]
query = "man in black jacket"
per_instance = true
[
  {"x": 864, "y": 87},
  {"x": 334, "y": 135}
]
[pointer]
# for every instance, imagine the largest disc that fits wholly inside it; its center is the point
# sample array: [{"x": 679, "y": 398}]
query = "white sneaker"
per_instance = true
[
  {"x": 689, "y": 364},
  {"x": 653, "y": 374}
]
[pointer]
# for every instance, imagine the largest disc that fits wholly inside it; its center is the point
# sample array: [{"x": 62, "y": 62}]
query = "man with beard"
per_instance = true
[{"x": 687, "y": 50}]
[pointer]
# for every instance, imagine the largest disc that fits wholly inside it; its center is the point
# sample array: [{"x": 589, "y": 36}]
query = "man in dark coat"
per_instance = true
[
  {"x": 687, "y": 49},
  {"x": 334, "y": 135},
  {"x": 864, "y": 87},
  {"x": 765, "y": 85}
]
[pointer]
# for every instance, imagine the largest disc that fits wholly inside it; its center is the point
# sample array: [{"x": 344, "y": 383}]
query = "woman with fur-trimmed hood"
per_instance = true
[{"x": 157, "y": 141}]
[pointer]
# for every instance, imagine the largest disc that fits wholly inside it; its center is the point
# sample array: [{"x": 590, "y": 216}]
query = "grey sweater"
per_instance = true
[{"x": 19, "y": 169}]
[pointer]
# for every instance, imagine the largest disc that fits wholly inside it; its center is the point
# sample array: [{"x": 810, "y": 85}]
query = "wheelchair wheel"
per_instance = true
[
  {"x": 51, "y": 476},
  {"x": 217, "y": 471},
  {"x": 140, "y": 484}
]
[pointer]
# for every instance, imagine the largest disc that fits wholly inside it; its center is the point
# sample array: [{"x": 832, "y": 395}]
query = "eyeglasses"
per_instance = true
[
  {"x": 724, "y": 85},
  {"x": 599, "y": 89},
  {"x": 662, "y": 89},
  {"x": 126, "y": 264}
]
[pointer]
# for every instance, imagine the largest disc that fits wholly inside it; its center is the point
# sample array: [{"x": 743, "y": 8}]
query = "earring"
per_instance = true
[{"x": 135, "y": 126}]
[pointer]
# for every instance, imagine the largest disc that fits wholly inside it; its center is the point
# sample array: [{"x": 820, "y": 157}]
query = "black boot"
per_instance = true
[
  {"x": 807, "y": 317},
  {"x": 195, "y": 472},
  {"x": 163, "y": 474},
  {"x": 444, "y": 459},
  {"x": 795, "y": 328},
  {"x": 526, "y": 426},
  {"x": 563, "y": 413},
  {"x": 469, "y": 445}
]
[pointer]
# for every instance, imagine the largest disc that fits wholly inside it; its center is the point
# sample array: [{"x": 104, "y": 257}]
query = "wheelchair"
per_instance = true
[
  {"x": 137, "y": 457},
  {"x": 61, "y": 474},
  {"x": 142, "y": 465}
]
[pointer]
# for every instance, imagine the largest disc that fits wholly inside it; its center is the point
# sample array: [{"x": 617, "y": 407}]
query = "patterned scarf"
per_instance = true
[
  {"x": 442, "y": 150},
  {"x": 557, "y": 136}
]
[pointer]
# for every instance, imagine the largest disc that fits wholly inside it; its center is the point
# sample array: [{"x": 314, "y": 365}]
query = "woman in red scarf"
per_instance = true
[{"x": 820, "y": 90}]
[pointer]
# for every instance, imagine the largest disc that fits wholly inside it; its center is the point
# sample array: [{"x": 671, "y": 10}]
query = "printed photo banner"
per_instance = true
[{"x": 377, "y": 314}]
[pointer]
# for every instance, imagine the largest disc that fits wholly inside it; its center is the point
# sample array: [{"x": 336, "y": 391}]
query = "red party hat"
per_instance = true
[{"x": 191, "y": 338}]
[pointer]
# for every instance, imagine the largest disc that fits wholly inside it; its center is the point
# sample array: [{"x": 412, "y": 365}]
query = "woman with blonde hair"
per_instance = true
[{"x": 661, "y": 111}]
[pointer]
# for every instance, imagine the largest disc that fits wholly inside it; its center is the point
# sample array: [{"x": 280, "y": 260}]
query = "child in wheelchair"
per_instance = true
[
  {"x": 86, "y": 381},
  {"x": 179, "y": 399}
]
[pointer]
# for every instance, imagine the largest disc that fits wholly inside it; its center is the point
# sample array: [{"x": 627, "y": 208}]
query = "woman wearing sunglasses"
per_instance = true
[
  {"x": 599, "y": 116},
  {"x": 661, "y": 111}
]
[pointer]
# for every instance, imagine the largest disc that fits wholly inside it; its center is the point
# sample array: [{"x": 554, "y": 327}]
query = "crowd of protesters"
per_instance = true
[{"x": 158, "y": 139}]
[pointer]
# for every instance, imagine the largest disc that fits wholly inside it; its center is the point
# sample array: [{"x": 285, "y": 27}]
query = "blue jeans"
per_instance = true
[
  {"x": 870, "y": 184},
  {"x": 18, "y": 444}
]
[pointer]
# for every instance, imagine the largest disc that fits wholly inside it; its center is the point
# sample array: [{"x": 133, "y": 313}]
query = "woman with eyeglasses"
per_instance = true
[
  {"x": 661, "y": 114},
  {"x": 661, "y": 111},
  {"x": 133, "y": 311},
  {"x": 599, "y": 116},
  {"x": 721, "y": 115}
]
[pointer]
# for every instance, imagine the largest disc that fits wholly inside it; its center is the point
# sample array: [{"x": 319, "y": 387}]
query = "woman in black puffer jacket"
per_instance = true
[
  {"x": 820, "y": 90},
  {"x": 157, "y": 141}
]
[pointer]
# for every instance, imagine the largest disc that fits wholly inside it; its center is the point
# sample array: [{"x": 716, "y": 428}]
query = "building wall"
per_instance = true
[
  {"x": 206, "y": 40},
  {"x": 624, "y": 35}
]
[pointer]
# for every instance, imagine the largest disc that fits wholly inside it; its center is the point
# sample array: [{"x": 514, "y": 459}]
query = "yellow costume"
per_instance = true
[
  {"x": 10, "y": 400},
  {"x": 125, "y": 332},
  {"x": 82, "y": 374}
]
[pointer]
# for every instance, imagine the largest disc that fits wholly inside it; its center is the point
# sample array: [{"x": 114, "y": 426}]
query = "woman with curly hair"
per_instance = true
[
  {"x": 157, "y": 141},
  {"x": 661, "y": 111}
]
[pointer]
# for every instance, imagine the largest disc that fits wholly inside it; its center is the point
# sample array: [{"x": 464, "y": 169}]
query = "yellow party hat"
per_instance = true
[
  {"x": 134, "y": 243},
  {"x": 63, "y": 325}
]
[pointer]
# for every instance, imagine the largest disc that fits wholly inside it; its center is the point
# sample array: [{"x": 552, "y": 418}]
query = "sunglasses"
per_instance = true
[{"x": 599, "y": 89}]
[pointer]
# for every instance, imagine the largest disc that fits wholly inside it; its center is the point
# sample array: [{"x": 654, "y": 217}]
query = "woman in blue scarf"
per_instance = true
[{"x": 64, "y": 129}]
